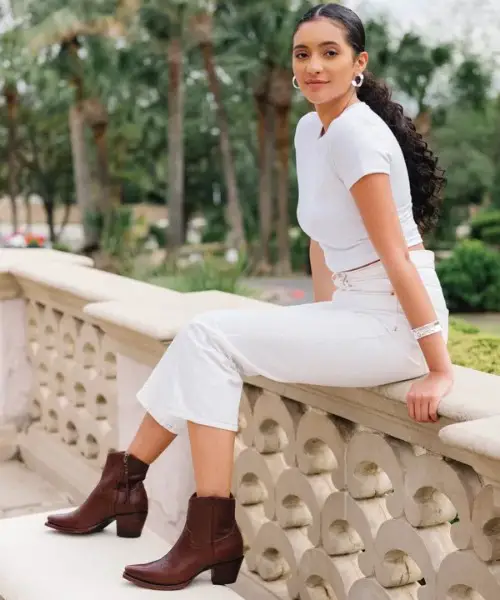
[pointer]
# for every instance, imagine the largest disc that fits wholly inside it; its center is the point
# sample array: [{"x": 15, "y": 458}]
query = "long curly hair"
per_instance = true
[{"x": 426, "y": 178}]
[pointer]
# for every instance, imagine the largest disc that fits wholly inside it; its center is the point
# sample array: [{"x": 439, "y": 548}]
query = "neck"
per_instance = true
[{"x": 329, "y": 111}]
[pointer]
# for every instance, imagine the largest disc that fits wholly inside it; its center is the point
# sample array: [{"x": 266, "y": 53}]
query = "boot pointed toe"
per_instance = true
[{"x": 119, "y": 495}]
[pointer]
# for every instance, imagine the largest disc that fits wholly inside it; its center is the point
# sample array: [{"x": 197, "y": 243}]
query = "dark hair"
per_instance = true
[{"x": 426, "y": 178}]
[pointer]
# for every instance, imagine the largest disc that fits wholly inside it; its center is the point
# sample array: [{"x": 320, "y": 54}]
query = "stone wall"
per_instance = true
[{"x": 339, "y": 495}]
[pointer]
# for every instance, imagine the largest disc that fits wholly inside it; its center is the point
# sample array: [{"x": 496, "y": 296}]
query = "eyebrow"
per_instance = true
[{"x": 303, "y": 46}]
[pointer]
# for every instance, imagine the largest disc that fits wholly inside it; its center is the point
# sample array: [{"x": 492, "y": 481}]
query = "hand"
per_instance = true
[{"x": 425, "y": 395}]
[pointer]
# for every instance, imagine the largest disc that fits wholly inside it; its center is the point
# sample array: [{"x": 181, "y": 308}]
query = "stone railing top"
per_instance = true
[
  {"x": 475, "y": 395},
  {"x": 91, "y": 285},
  {"x": 162, "y": 321},
  {"x": 480, "y": 436},
  {"x": 10, "y": 257}
]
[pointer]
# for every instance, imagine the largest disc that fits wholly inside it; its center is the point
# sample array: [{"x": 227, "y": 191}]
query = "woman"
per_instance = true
[{"x": 367, "y": 184}]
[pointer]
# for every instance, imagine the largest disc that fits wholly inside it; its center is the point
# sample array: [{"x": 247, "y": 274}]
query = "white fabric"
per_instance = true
[
  {"x": 360, "y": 338},
  {"x": 357, "y": 143}
]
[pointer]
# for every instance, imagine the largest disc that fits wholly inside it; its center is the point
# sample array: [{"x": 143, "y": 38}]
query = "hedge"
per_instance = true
[{"x": 470, "y": 347}]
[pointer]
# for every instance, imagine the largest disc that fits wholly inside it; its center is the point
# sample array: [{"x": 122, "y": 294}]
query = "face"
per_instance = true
[{"x": 323, "y": 62}]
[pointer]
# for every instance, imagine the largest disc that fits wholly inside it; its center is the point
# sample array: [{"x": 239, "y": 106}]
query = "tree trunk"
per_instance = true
[
  {"x": 65, "y": 218},
  {"x": 29, "y": 212},
  {"x": 281, "y": 98},
  {"x": 83, "y": 182},
  {"x": 266, "y": 139},
  {"x": 423, "y": 123},
  {"x": 283, "y": 266},
  {"x": 100, "y": 139},
  {"x": 203, "y": 31},
  {"x": 175, "y": 184},
  {"x": 97, "y": 118},
  {"x": 49, "y": 213},
  {"x": 12, "y": 101}
]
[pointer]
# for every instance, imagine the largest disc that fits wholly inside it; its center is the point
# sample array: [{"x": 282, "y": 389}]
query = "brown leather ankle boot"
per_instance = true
[
  {"x": 119, "y": 495},
  {"x": 211, "y": 539}
]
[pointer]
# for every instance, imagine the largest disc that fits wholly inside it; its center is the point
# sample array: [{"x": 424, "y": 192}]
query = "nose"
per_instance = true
[{"x": 314, "y": 65}]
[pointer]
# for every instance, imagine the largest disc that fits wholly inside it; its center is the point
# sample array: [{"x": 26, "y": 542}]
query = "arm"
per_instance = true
[
  {"x": 373, "y": 196},
  {"x": 321, "y": 275}
]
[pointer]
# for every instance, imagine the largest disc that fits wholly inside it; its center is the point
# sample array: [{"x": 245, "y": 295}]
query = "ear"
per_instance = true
[{"x": 362, "y": 60}]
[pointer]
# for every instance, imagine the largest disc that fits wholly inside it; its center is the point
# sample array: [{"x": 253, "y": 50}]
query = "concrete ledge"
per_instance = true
[
  {"x": 163, "y": 321},
  {"x": 12, "y": 256},
  {"x": 474, "y": 395},
  {"x": 37, "y": 563},
  {"x": 480, "y": 436},
  {"x": 8, "y": 442},
  {"x": 66, "y": 470}
]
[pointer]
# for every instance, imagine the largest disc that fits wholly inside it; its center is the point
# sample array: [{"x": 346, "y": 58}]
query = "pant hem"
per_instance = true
[{"x": 186, "y": 416}]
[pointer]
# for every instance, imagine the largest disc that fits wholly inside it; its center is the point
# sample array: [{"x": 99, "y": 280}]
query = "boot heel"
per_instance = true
[
  {"x": 226, "y": 573},
  {"x": 130, "y": 526}
]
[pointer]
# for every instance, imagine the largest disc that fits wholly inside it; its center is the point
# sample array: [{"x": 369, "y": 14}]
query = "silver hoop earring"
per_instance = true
[
  {"x": 295, "y": 83},
  {"x": 358, "y": 80}
]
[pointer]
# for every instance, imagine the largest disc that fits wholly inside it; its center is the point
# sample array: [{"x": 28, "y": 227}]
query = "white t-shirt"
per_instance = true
[{"x": 357, "y": 143}]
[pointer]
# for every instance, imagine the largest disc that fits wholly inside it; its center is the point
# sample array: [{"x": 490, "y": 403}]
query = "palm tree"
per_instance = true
[
  {"x": 66, "y": 27},
  {"x": 166, "y": 24},
  {"x": 169, "y": 24},
  {"x": 264, "y": 42},
  {"x": 202, "y": 27},
  {"x": 12, "y": 66}
]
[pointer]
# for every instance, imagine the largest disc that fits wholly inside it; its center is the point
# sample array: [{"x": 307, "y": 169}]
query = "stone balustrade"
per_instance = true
[{"x": 340, "y": 496}]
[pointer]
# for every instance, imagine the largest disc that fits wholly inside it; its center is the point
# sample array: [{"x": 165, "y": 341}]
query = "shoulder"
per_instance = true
[
  {"x": 359, "y": 143},
  {"x": 356, "y": 120},
  {"x": 357, "y": 129},
  {"x": 307, "y": 124}
]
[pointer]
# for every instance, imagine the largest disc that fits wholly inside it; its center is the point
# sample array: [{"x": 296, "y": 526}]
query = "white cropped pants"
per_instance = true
[{"x": 361, "y": 338}]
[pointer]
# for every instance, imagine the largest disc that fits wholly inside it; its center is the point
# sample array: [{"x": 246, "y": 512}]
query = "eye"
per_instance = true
[
  {"x": 331, "y": 53},
  {"x": 300, "y": 55}
]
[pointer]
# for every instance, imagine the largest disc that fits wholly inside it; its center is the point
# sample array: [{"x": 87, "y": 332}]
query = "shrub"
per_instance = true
[
  {"x": 469, "y": 347},
  {"x": 61, "y": 246},
  {"x": 159, "y": 233},
  {"x": 486, "y": 227},
  {"x": 471, "y": 278},
  {"x": 209, "y": 274}
]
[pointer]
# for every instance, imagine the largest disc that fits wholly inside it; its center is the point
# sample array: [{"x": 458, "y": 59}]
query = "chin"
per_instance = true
[{"x": 320, "y": 98}]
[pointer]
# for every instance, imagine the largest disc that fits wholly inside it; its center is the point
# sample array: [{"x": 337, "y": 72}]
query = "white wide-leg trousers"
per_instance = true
[{"x": 360, "y": 338}]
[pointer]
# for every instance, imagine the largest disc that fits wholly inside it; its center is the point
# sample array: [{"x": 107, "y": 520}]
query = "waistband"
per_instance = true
[{"x": 422, "y": 259}]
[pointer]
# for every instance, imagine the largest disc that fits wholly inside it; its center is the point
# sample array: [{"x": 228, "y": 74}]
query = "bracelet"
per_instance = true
[{"x": 429, "y": 329}]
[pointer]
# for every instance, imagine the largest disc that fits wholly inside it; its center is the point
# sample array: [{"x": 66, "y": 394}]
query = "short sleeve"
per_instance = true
[{"x": 358, "y": 154}]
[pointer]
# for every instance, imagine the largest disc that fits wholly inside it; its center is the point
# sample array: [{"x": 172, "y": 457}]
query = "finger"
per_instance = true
[
  {"x": 418, "y": 408},
  {"x": 426, "y": 409},
  {"x": 433, "y": 408},
  {"x": 411, "y": 406}
]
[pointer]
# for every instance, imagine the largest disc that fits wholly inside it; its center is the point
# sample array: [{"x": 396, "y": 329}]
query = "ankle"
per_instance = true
[
  {"x": 138, "y": 459},
  {"x": 213, "y": 493}
]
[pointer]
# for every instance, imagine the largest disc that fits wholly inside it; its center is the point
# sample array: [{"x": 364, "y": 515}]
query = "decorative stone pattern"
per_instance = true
[
  {"x": 331, "y": 510},
  {"x": 74, "y": 389}
]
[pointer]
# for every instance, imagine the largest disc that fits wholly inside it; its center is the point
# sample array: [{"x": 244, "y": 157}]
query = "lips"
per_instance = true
[{"x": 316, "y": 82}]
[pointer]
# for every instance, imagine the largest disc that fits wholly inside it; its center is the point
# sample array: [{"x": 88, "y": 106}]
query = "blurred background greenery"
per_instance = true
[{"x": 114, "y": 108}]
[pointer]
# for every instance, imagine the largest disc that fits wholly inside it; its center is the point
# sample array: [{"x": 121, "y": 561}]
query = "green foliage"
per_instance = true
[
  {"x": 210, "y": 274},
  {"x": 61, "y": 247},
  {"x": 471, "y": 278},
  {"x": 129, "y": 75},
  {"x": 159, "y": 234},
  {"x": 122, "y": 238},
  {"x": 486, "y": 227},
  {"x": 471, "y": 348}
]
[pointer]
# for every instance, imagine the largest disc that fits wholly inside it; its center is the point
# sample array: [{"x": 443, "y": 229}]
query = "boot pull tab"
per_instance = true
[{"x": 125, "y": 471}]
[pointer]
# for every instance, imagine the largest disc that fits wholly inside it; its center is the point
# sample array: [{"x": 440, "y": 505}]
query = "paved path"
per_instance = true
[
  {"x": 293, "y": 290},
  {"x": 24, "y": 492}
]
